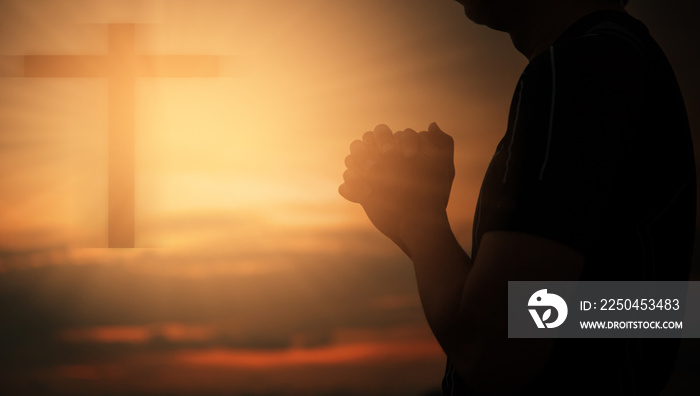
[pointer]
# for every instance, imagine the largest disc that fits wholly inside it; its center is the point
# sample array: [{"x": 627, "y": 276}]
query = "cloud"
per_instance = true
[
  {"x": 344, "y": 318},
  {"x": 56, "y": 309},
  {"x": 353, "y": 360},
  {"x": 358, "y": 353}
]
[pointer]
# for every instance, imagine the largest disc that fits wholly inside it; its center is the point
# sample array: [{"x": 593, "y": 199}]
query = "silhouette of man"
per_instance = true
[{"x": 593, "y": 180}]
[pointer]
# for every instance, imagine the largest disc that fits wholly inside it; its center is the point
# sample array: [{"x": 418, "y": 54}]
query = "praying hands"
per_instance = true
[{"x": 400, "y": 177}]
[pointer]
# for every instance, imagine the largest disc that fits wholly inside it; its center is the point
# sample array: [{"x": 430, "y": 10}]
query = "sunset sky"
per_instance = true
[{"x": 250, "y": 275}]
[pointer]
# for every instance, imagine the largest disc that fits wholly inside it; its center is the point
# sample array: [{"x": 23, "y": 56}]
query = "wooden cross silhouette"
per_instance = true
[{"x": 121, "y": 66}]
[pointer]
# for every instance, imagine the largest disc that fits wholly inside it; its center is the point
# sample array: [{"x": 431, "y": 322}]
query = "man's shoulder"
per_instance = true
[
  {"x": 600, "y": 62},
  {"x": 607, "y": 42}
]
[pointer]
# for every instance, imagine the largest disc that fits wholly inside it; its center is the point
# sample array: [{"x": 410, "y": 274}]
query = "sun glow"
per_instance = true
[
  {"x": 266, "y": 138},
  {"x": 237, "y": 216}
]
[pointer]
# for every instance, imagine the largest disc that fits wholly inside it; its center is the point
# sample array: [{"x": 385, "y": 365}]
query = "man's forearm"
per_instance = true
[{"x": 441, "y": 267}]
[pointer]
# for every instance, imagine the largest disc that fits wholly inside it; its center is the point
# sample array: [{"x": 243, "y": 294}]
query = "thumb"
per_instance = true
[{"x": 439, "y": 138}]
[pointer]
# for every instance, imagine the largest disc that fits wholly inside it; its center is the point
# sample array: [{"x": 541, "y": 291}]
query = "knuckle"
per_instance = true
[
  {"x": 449, "y": 139},
  {"x": 356, "y": 146},
  {"x": 345, "y": 192},
  {"x": 382, "y": 130},
  {"x": 351, "y": 177},
  {"x": 349, "y": 161}
]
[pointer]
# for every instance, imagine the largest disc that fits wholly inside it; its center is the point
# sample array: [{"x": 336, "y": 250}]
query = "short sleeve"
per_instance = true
[{"x": 565, "y": 168}]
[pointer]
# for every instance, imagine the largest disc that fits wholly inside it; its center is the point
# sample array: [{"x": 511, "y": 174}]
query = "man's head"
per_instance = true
[
  {"x": 492, "y": 13},
  {"x": 502, "y": 14}
]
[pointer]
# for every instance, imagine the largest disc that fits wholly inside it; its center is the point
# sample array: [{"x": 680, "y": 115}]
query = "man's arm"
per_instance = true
[{"x": 465, "y": 302}]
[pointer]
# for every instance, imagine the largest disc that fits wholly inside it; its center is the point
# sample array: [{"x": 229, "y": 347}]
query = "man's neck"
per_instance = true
[{"x": 538, "y": 30}]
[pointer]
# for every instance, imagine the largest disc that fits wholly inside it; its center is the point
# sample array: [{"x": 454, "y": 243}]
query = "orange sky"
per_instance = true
[
  {"x": 266, "y": 141},
  {"x": 246, "y": 255}
]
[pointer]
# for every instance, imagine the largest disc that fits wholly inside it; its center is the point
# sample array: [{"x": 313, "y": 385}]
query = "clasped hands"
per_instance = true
[{"x": 400, "y": 177}]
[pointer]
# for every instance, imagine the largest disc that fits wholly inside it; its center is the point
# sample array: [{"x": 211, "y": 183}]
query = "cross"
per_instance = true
[{"x": 121, "y": 66}]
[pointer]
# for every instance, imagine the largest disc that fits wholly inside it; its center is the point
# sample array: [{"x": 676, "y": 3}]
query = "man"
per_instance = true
[{"x": 593, "y": 180}]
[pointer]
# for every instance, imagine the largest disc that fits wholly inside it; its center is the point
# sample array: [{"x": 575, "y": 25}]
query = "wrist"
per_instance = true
[{"x": 423, "y": 224}]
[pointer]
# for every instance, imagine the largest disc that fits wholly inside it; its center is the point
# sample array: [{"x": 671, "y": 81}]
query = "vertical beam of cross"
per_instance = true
[
  {"x": 121, "y": 115},
  {"x": 121, "y": 66}
]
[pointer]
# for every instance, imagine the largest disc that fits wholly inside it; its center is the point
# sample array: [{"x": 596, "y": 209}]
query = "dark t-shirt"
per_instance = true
[{"x": 598, "y": 156}]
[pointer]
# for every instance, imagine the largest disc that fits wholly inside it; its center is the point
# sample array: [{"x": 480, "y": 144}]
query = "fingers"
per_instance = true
[
  {"x": 359, "y": 149},
  {"x": 368, "y": 137},
  {"x": 383, "y": 138},
  {"x": 439, "y": 138},
  {"x": 355, "y": 189},
  {"x": 434, "y": 139},
  {"x": 352, "y": 163},
  {"x": 424, "y": 141},
  {"x": 361, "y": 154},
  {"x": 409, "y": 143},
  {"x": 365, "y": 153}
]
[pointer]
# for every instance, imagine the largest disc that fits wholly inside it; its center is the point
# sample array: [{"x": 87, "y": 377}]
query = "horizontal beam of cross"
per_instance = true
[
  {"x": 121, "y": 66},
  {"x": 102, "y": 66}
]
